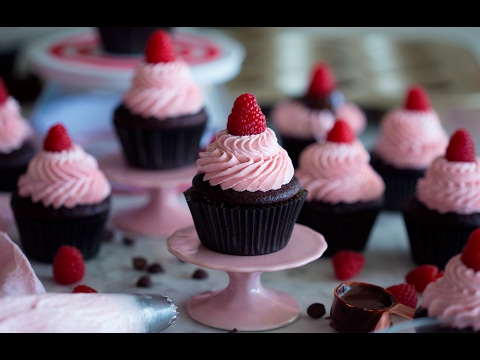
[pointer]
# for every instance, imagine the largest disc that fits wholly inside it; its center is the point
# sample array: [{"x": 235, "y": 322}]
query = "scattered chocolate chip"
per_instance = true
[
  {"x": 144, "y": 281},
  {"x": 200, "y": 274},
  {"x": 128, "y": 241},
  {"x": 316, "y": 310},
  {"x": 139, "y": 263},
  {"x": 108, "y": 235},
  {"x": 234, "y": 330},
  {"x": 155, "y": 268}
]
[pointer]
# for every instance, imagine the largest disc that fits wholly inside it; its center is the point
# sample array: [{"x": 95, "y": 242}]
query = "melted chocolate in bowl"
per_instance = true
[{"x": 361, "y": 308}]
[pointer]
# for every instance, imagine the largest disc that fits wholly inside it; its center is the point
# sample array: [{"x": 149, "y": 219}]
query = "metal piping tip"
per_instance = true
[{"x": 158, "y": 311}]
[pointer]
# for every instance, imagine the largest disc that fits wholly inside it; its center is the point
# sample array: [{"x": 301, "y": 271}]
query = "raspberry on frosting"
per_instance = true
[
  {"x": 417, "y": 99},
  {"x": 471, "y": 251},
  {"x": 57, "y": 139},
  {"x": 323, "y": 81},
  {"x": 3, "y": 92},
  {"x": 159, "y": 48},
  {"x": 461, "y": 147},
  {"x": 246, "y": 117},
  {"x": 341, "y": 132}
]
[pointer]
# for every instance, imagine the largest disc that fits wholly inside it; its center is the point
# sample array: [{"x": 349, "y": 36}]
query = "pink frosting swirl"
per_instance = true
[
  {"x": 455, "y": 296},
  {"x": 338, "y": 172},
  {"x": 294, "y": 119},
  {"x": 451, "y": 186},
  {"x": 15, "y": 130},
  {"x": 246, "y": 163},
  {"x": 411, "y": 139},
  {"x": 67, "y": 178},
  {"x": 163, "y": 90}
]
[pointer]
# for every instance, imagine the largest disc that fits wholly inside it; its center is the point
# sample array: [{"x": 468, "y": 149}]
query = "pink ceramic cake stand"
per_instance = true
[
  {"x": 245, "y": 304},
  {"x": 164, "y": 213}
]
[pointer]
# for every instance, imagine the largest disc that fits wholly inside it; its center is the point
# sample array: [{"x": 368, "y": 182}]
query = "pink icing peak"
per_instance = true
[
  {"x": 3, "y": 92},
  {"x": 159, "y": 48},
  {"x": 417, "y": 99},
  {"x": 323, "y": 81}
]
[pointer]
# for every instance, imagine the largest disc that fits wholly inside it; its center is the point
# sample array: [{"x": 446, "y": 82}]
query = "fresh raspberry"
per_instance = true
[
  {"x": 417, "y": 99},
  {"x": 57, "y": 139},
  {"x": 405, "y": 294},
  {"x": 347, "y": 263},
  {"x": 323, "y": 81},
  {"x": 68, "y": 265},
  {"x": 246, "y": 117},
  {"x": 83, "y": 289},
  {"x": 159, "y": 48},
  {"x": 461, "y": 147},
  {"x": 421, "y": 276},
  {"x": 4, "y": 94},
  {"x": 341, "y": 132},
  {"x": 439, "y": 274},
  {"x": 471, "y": 251}
]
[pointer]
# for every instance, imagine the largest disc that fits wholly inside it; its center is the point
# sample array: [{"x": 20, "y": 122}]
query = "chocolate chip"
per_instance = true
[
  {"x": 200, "y": 274},
  {"x": 108, "y": 235},
  {"x": 139, "y": 263},
  {"x": 234, "y": 330},
  {"x": 144, "y": 281},
  {"x": 316, "y": 310},
  {"x": 128, "y": 241},
  {"x": 155, "y": 268}
]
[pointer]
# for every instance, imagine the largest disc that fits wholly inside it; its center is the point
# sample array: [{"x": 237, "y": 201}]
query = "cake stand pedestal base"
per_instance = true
[
  {"x": 245, "y": 304},
  {"x": 165, "y": 212}
]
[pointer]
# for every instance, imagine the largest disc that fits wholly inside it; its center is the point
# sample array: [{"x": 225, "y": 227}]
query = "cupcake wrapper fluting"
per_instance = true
[
  {"x": 41, "y": 239},
  {"x": 399, "y": 183},
  {"x": 245, "y": 231},
  {"x": 343, "y": 230},
  {"x": 160, "y": 149},
  {"x": 433, "y": 237}
]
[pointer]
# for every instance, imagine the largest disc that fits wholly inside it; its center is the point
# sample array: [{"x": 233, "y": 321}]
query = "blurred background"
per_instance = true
[{"x": 373, "y": 65}]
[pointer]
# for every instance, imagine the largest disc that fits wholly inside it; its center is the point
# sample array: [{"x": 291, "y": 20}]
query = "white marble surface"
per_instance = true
[{"x": 387, "y": 262}]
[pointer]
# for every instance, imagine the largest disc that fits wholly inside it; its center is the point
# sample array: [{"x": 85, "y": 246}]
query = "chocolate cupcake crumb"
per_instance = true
[
  {"x": 199, "y": 274},
  {"x": 144, "y": 281},
  {"x": 316, "y": 310},
  {"x": 234, "y": 330},
  {"x": 139, "y": 263},
  {"x": 155, "y": 268}
]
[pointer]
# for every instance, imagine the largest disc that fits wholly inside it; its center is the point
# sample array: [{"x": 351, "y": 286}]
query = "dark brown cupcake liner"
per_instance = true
[
  {"x": 399, "y": 183},
  {"x": 160, "y": 149},
  {"x": 126, "y": 40},
  {"x": 9, "y": 178},
  {"x": 435, "y": 242},
  {"x": 40, "y": 240},
  {"x": 347, "y": 227},
  {"x": 244, "y": 231},
  {"x": 294, "y": 147}
]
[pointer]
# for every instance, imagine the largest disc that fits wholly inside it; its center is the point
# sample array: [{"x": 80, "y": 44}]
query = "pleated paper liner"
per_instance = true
[{"x": 244, "y": 230}]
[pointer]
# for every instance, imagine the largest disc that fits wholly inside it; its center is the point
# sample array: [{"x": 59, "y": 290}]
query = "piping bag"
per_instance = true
[
  {"x": 25, "y": 306},
  {"x": 86, "y": 313}
]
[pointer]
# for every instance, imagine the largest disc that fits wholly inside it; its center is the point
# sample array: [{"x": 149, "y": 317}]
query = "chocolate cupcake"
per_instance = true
[
  {"x": 410, "y": 138},
  {"x": 161, "y": 118},
  {"x": 245, "y": 198},
  {"x": 301, "y": 121},
  {"x": 345, "y": 194},
  {"x": 445, "y": 207},
  {"x": 62, "y": 199}
]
